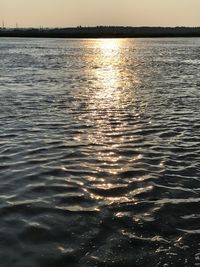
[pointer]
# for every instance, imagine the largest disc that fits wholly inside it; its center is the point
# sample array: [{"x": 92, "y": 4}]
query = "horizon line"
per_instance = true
[{"x": 95, "y": 26}]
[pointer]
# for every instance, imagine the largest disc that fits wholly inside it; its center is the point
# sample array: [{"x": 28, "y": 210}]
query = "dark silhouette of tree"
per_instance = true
[{"x": 102, "y": 32}]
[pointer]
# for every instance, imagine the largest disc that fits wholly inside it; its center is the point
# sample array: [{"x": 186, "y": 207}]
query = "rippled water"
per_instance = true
[{"x": 99, "y": 153}]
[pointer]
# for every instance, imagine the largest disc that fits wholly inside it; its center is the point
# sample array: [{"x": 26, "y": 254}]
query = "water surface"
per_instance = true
[{"x": 99, "y": 152}]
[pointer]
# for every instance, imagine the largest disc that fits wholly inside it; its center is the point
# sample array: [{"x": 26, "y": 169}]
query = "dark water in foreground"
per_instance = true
[{"x": 99, "y": 153}]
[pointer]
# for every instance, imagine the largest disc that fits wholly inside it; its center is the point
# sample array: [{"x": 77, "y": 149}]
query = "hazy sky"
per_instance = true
[{"x": 100, "y": 12}]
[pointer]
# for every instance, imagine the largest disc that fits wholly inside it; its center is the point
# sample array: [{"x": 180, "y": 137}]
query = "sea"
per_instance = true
[{"x": 100, "y": 152}]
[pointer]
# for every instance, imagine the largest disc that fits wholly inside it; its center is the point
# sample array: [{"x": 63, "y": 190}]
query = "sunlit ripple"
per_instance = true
[{"x": 110, "y": 99}]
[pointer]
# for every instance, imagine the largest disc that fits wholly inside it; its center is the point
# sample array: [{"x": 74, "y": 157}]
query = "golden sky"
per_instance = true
[{"x": 63, "y": 13}]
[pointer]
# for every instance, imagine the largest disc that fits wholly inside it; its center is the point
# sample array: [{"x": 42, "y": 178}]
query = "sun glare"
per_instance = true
[{"x": 107, "y": 45}]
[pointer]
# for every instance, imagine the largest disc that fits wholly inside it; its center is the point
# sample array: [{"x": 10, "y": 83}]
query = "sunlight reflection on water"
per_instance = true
[{"x": 113, "y": 96}]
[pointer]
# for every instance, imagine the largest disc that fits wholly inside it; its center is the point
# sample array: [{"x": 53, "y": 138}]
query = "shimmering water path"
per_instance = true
[{"x": 99, "y": 153}]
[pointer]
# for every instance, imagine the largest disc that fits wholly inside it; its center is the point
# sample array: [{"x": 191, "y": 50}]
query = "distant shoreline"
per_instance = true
[{"x": 101, "y": 32}]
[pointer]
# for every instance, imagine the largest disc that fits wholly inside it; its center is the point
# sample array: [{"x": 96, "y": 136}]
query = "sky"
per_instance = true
[{"x": 64, "y": 13}]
